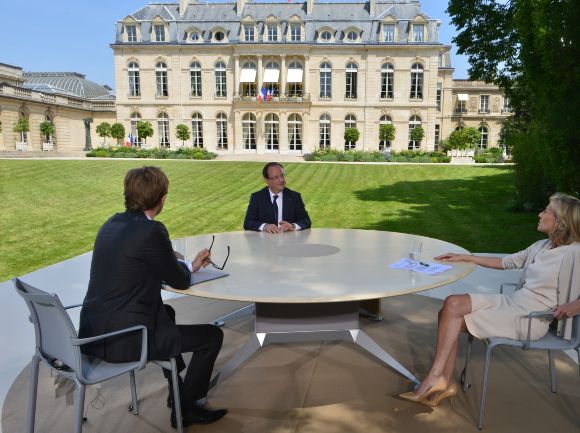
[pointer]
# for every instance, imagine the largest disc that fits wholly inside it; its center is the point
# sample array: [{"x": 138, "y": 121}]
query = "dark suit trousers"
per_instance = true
[{"x": 205, "y": 342}]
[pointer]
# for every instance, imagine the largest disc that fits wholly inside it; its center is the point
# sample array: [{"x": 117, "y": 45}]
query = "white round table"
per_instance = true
[{"x": 307, "y": 285}]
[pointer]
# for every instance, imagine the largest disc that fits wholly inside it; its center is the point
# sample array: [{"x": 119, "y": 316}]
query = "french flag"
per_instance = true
[
  {"x": 128, "y": 141},
  {"x": 268, "y": 96}
]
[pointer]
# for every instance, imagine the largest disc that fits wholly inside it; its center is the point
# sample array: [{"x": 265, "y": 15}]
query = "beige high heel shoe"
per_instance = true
[
  {"x": 449, "y": 392},
  {"x": 438, "y": 386}
]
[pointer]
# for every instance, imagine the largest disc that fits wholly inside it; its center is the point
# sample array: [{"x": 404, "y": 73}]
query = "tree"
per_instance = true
[
  {"x": 417, "y": 134},
  {"x": 464, "y": 138},
  {"x": 387, "y": 133},
  {"x": 531, "y": 50},
  {"x": 47, "y": 130},
  {"x": 182, "y": 133},
  {"x": 22, "y": 127},
  {"x": 118, "y": 132},
  {"x": 104, "y": 130},
  {"x": 351, "y": 136},
  {"x": 144, "y": 130}
]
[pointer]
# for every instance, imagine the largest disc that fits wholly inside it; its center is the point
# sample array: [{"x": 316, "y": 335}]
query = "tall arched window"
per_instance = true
[
  {"x": 295, "y": 132},
  {"x": 220, "y": 80},
  {"x": 134, "y": 80},
  {"x": 49, "y": 138},
  {"x": 248, "y": 79},
  {"x": 414, "y": 122},
  {"x": 387, "y": 81},
  {"x": 222, "y": 131},
  {"x": 272, "y": 132},
  {"x": 197, "y": 130},
  {"x": 324, "y": 137},
  {"x": 484, "y": 137},
  {"x": 249, "y": 131},
  {"x": 271, "y": 77},
  {"x": 195, "y": 77},
  {"x": 163, "y": 128},
  {"x": 325, "y": 80},
  {"x": 23, "y": 117},
  {"x": 349, "y": 122},
  {"x": 161, "y": 79},
  {"x": 351, "y": 80},
  {"x": 416, "y": 81},
  {"x": 385, "y": 144},
  {"x": 295, "y": 77},
  {"x": 135, "y": 140}
]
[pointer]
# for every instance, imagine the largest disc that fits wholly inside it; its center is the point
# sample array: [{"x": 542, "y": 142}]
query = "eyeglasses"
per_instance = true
[{"x": 212, "y": 263}]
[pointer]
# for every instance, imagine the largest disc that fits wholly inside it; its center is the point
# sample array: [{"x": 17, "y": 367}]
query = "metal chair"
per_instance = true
[
  {"x": 58, "y": 346},
  {"x": 550, "y": 342}
]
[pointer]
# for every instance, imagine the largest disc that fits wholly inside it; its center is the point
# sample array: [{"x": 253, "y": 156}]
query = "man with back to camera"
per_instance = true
[
  {"x": 132, "y": 258},
  {"x": 275, "y": 208}
]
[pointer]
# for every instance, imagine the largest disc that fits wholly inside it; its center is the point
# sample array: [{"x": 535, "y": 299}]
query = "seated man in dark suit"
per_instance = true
[
  {"x": 132, "y": 257},
  {"x": 276, "y": 209}
]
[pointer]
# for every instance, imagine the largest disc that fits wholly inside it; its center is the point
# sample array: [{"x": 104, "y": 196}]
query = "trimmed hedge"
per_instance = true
[
  {"x": 376, "y": 156},
  {"x": 157, "y": 153},
  {"x": 490, "y": 155}
]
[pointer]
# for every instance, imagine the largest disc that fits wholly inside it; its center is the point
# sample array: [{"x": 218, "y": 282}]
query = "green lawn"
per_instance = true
[{"x": 51, "y": 210}]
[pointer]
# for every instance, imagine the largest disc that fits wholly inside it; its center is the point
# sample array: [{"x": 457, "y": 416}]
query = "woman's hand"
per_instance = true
[{"x": 201, "y": 260}]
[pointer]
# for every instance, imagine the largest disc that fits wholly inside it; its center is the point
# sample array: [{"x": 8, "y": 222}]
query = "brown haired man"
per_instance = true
[{"x": 132, "y": 258}]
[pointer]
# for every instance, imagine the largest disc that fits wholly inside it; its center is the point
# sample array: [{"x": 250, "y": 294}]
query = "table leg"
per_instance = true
[
  {"x": 247, "y": 310},
  {"x": 252, "y": 345}
]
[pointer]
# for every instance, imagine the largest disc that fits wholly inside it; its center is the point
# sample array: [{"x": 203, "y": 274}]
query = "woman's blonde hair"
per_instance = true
[{"x": 567, "y": 212}]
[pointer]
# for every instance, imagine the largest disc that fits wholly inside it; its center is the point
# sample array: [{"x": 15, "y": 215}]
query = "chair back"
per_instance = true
[
  {"x": 576, "y": 330},
  {"x": 52, "y": 325}
]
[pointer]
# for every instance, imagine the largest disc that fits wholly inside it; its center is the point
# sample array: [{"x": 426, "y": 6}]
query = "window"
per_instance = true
[
  {"x": 295, "y": 132},
  {"x": 484, "y": 136},
  {"x": 418, "y": 33},
  {"x": 437, "y": 137},
  {"x": 387, "y": 81},
  {"x": 352, "y": 36},
  {"x": 324, "y": 138},
  {"x": 135, "y": 140},
  {"x": 249, "y": 131},
  {"x": 416, "y": 81},
  {"x": 159, "y": 32},
  {"x": 484, "y": 104},
  {"x": 295, "y": 75},
  {"x": 219, "y": 36},
  {"x": 385, "y": 144},
  {"x": 506, "y": 106},
  {"x": 249, "y": 32},
  {"x": 272, "y": 132},
  {"x": 248, "y": 79},
  {"x": 389, "y": 33},
  {"x": 131, "y": 33},
  {"x": 195, "y": 77},
  {"x": 134, "y": 80},
  {"x": 462, "y": 99},
  {"x": 271, "y": 77},
  {"x": 351, "y": 78},
  {"x": 272, "y": 32},
  {"x": 23, "y": 134},
  {"x": 161, "y": 79},
  {"x": 194, "y": 36},
  {"x": 197, "y": 130},
  {"x": 222, "y": 131},
  {"x": 325, "y": 36},
  {"x": 220, "y": 80},
  {"x": 163, "y": 128},
  {"x": 349, "y": 122},
  {"x": 438, "y": 97},
  {"x": 414, "y": 122},
  {"x": 325, "y": 80},
  {"x": 295, "y": 33}
]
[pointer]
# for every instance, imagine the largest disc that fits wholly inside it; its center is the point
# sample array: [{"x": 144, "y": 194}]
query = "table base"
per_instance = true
[{"x": 286, "y": 323}]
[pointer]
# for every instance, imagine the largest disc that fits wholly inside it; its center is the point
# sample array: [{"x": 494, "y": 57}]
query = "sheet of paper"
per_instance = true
[{"x": 421, "y": 267}]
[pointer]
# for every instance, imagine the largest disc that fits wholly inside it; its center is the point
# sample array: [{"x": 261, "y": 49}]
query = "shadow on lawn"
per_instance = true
[{"x": 432, "y": 204}]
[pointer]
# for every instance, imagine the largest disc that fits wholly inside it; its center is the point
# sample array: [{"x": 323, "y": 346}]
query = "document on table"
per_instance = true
[
  {"x": 421, "y": 267},
  {"x": 206, "y": 275}
]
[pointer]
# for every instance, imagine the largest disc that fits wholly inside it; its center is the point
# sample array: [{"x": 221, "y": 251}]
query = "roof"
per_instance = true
[{"x": 66, "y": 83}]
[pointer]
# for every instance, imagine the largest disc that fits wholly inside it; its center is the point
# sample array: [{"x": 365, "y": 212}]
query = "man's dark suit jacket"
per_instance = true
[
  {"x": 132, "y": 256},
  {"x": 260, "y": 210}
]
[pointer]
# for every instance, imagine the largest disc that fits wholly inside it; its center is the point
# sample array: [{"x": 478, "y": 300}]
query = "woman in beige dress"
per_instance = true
[{"x": 498, "y": 315}]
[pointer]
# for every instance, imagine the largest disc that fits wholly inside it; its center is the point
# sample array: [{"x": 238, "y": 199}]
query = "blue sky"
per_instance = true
[{"x": 74, "y": 35}]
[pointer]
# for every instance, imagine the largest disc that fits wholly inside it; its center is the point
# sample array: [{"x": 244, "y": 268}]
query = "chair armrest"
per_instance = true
[
  {"x": 537, "y": 315},
  {"x": 73, "y": 306},
  {"x": 506, "y": 285},
  {"x": 142, "y": 359}
]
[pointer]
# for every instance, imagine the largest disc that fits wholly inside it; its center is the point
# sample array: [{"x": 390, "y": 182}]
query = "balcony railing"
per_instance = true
[{"x": 305, "y": 97}]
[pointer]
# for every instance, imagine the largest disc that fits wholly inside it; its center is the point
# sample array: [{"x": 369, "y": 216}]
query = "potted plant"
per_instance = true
[
  {"x": 104, "y": 130},
  {"x": 182, "y": 133},
  {"x": 144, "y": 130},
  {"x": 47, "y": 131},
  {"x": 351, "y": 136},
  {"x": 22, "y": 127},
  {"x": 417, "y": 134},
  {"x": 386, "y": 135},
  {"x": 118, "y": 132}
]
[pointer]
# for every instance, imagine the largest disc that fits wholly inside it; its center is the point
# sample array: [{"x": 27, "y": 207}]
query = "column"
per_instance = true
[
  {"x": 282, "y": 77},
  {"x": 283, "y": 146},
  {"x": 307, "y": 75},
  {"x": 236, "y": 76},
  {"x": 260, "y": 74}
]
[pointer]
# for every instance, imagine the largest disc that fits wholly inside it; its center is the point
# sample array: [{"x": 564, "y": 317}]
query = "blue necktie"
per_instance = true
[{"x": 275, "y": 204}]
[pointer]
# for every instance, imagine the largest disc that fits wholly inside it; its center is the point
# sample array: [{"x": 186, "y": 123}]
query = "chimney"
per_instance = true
[
  {"x": 309, "y": 7},
  {"x": 372, "y": 7},
  {"x": 183, "y": 6},
  {"x": 240, "y": 7}
]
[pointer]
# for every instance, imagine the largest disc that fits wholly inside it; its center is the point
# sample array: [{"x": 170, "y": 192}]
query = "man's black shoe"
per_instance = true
[{"x": 198, "y": 415}]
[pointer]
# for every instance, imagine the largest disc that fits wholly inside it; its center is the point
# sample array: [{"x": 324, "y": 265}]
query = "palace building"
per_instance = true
[{"x": 290, "y": 77}]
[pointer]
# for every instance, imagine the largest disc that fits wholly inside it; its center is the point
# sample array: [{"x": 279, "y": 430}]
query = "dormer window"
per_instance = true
[
  {"x": 249, "y": 35},
  {"x": 219, "y": 36},
  {"x": 351, "y": 36},
  {"x": 131, "y": 33},
  {"x": 194, "y": 37},
  {"x": 389, "y": 33},
  {"x": 295, "y": 33},
  {"x": 272, "y": 32},
  {"x": 418, "y": 32},
  {"x": 159, "y": 30},
  {"x": 325, "y": 36}
]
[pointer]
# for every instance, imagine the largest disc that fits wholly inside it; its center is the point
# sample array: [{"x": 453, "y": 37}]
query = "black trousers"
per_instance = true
[{"x": 204, "y": 342}]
